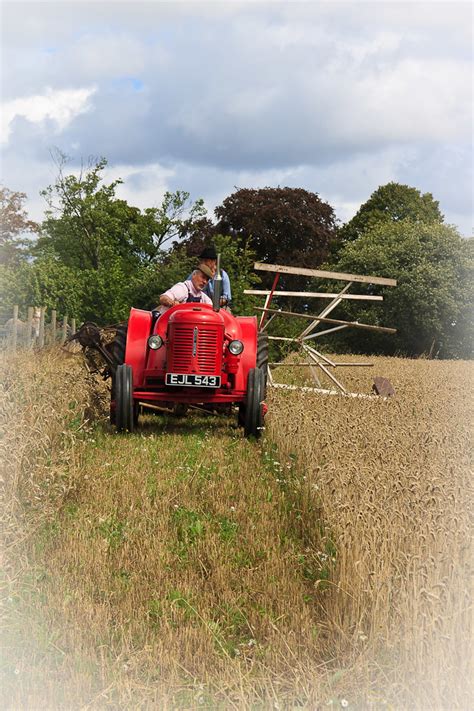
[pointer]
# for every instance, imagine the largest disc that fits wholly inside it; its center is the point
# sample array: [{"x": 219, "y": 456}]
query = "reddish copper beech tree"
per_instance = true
[{"x": 285, "y": 225}]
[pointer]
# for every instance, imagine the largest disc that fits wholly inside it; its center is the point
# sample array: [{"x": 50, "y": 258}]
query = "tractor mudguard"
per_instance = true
[{"x": 139, "y": 326}]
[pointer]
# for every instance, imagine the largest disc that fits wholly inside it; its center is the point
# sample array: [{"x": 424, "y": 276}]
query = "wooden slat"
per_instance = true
[
  {"x": 41, "y": 327},
  {"x": 339, "y": 276},
  {"x": 355, "y": 324},
  {"x": 282, "y": 338},
  {"x": 53, "y": 326},
  {"x": 305, "y": 389},
  {"x": 29, "y": 325},
  {"x": 327, "y": 310},
  {"x": 64, "y": 330},
  {"x": 313, "y": 295}
]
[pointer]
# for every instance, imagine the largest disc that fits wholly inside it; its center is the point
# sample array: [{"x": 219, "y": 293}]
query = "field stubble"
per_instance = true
[
  {"x": 394, "y": 483},
  {"x": 183, "y": 567}
]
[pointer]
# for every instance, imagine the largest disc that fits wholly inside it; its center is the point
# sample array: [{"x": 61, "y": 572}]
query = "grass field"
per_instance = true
[{"x": 183, "y": 567}]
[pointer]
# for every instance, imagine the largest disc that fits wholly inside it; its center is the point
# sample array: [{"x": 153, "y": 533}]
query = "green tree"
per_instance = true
[
  {"x": 432, "y": 305},
  {"x": 85, "y": 221},
  {"x": 46, "y": 282},
  {"x": 392, "y": 202},
  {"x": 154, "y": 279},
  {"x": 14, "y": 227},
  {"x": 115, "y": 250}
]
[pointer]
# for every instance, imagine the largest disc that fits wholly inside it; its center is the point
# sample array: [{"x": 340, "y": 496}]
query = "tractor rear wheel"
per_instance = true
[
  {"x": 124, "y": 409},
  {"x": 117, "y": 347},
  {"x": 262, "y": 355},
  {"x": 253, "y": 414}
]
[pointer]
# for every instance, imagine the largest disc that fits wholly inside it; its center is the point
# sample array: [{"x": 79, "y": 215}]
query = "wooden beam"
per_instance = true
[
  {"x": 327, "y": 310},
  {"x": 323, "y": 333},
  {"x": 335, "y": 365},
  {"x": 268, "y": 301},
  {"x": 282, "y": 338},
  {"x": 339, "y": 276},
  {"x": 292, "y": 365},
  {"x": 312, "y": 355},
  {"x": 321, "y": 391},
  {"x": 313, "y": 295},
  {"x": 355, "y": 324}
]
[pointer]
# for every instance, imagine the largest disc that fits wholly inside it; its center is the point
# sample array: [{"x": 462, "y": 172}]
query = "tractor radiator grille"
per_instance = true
[{"x": 194, "y": 350}]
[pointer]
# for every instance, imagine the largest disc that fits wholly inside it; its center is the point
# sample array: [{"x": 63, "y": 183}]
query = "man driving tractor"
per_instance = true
[{"x": 189, "y": 291}]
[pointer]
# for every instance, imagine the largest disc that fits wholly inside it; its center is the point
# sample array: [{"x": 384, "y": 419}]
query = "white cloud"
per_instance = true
[
  {"x": 59, "y": 106},
  {"x": 334, "y": 97},
  {"x": 142, "y": 187}
]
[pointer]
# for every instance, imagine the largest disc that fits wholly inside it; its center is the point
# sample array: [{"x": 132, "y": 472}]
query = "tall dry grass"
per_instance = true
[
  {"x": 394, "y": 481},
  {"x": 183, "y": 567}
]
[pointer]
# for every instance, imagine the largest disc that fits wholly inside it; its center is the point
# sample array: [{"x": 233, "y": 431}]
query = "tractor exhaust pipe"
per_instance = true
[{"x": 216, "y": 297}]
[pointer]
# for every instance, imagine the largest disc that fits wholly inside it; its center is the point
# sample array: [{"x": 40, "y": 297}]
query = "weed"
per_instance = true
[
  {"x": 227, "y": 529},
  {"x": 113, "y": 531},
  {"x": 151, "y": 486}
]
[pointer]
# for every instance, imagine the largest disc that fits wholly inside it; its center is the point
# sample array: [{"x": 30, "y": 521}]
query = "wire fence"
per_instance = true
[{"x": 42, "y": 328}]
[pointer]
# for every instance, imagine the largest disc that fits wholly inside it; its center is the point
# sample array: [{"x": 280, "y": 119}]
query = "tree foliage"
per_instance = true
[
  {"x": 14, "y": 226},
  {"x": 392, "y": 202},
  {"x": 86, "y": 223},
  {"x": 283, "y": 225},
  {"x": 432, "y": 305},
  {"x": 116, "y": 251},
  {"x": 97, "y": 256}
]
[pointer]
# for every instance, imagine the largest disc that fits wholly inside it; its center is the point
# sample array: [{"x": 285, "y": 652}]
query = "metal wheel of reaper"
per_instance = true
[
  {"x": 192, "y": 355},
  {"x": 316, "y": 360}
]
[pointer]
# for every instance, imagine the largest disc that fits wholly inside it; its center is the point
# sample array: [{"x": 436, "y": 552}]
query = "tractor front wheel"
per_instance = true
[
  {"x": 125, "y": 416},
  {"x": 253, "y": 412}
]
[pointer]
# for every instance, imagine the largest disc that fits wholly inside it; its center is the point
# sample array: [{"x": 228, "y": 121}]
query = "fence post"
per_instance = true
[
  {"x": 14, "y": 328},
  {"x": 64, "y": 332},
  {"x": 41, "y": 327},
  {"x": 29, "y": 325},
  {"x": 53, "y": 327}
]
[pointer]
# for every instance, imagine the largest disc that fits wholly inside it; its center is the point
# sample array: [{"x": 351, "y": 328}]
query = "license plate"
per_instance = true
[{"x": 195, "y": 381}]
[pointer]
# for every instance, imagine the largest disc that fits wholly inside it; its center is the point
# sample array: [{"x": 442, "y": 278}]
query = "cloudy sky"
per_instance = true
[{"x": 335, "y": 97}]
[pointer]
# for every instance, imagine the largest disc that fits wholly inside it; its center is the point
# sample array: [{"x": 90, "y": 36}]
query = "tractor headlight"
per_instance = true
[
  {"x": 236, "y": 347},
  {"x": 155, "y": 342}
]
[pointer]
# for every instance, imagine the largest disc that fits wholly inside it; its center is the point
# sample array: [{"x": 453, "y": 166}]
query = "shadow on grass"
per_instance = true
[{"x": 194, "y": 422}]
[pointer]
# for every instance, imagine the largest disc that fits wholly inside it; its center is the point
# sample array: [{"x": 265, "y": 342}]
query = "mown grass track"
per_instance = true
[
  {"x": 184, "y": 567},
  {"x": 175, "y": 569}
]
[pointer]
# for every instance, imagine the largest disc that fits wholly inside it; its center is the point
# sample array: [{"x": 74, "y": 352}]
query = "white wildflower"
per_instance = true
[{"x": 344, "y": 703}]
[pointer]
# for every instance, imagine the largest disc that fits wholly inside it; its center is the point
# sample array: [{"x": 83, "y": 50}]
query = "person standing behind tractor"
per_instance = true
[
  {"x": 209, "y": 257},
  {"x": 189, "y": 291}
]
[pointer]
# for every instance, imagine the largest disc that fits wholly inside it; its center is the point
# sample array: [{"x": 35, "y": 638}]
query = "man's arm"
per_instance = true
[
  {"x": 168, "y": 300},
  {"x": 176, "y": 295}
]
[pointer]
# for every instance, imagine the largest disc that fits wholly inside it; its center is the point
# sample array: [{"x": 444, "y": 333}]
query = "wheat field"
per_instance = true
[{"x": 184, "y": 567}]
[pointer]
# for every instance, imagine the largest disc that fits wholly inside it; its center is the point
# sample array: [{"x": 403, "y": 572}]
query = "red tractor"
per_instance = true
[{"x": 193, "y": 354}]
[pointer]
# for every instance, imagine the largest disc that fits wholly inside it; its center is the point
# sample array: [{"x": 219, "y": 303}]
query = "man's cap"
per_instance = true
[
  {"x": 208, "y": 253},
  {"x": 205, "y": 270}
]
